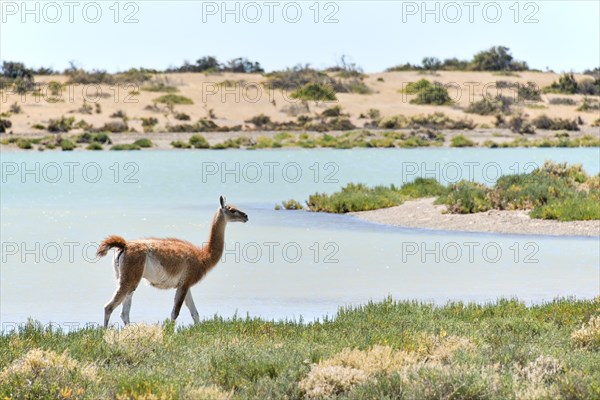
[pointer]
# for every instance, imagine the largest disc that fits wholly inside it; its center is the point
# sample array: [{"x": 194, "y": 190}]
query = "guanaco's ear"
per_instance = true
[{"x": 222, "y": 201}]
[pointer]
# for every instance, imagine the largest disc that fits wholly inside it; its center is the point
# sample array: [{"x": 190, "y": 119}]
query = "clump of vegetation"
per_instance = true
[
  {"x": 24, "y": 144},
  {"x": 567, "y": 84},
  {"x": 428, "y": 93},
  {"x": 563, "y": 101},
  {"x": 173, "y": 99},
  {"x": 67, "y": 145},
  {"x": 4, "y": 125},
  {"x": 94, "y": 146},
  {"x": 359, "y": 197},
  {"x": 553, "y": 191},
  {"x": 125, "y": 147},
  {"x": 114, "y": 127},
  {"x": 555, "y": 124},
  {"x": 315, "y": 92},
  {"x": 466, "y": 197},
  {"x": 529, "y": 92},
  {"x": 486, "y": 106},
  {"x": 589, "y": 105},
  {"x": 120, "y": 114},
  {"x": 61, "y": 125},
  {"x": 199, "y": 142},
  {"x": 149, "y": 123},
  {"x": 178, "y": 144},
  {"x": 497, "y": 58},
  {"x": 290, "y": 205},
  {"x": 461, "y": 141},
  {"x": 588, "y": 336},
  {"x": 143, "y": 143},
  {"x": 518, "y": 123},
  {"x": 15, "y": 108},
  {"x": 47, "y": 374},
  {"x": 89, "y": 137},
  {"x": 182, "y": 117}
]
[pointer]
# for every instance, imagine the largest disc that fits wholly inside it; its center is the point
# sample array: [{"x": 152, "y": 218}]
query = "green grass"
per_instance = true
[{"x": 244, "y": 358}]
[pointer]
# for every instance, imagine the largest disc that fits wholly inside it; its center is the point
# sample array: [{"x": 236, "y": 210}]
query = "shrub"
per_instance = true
[
  {"x": 566, "y": 101},
  {"x": 328, "y": 381},
  {"x": 260, "y": 121},
  {"x": 173, "y": 99},
  {"x": 15, "y": 108},
  {"x": 114, "y": 127},
  {"x": 529, "y": 91},
  {"x": 545, "y": 122},
  {"x": 292, "y": 205},
  {"x": 485, "y": 106},
  {"x": 497, "y": 58},
  {"x": 94, "y": 146},
  {"x": 182, "y": 117},
  {"x": 588, "y": 336},
  {"x": 125, "y": 147},
  {"x": 466, "y": 197},
  {"x": 4, "y": 125},
  {"x": 61, "y": 125},
  {"x": 461, "y": 141},
  {"x": 578, "y": 208},
  {"x": 24, "y": 144},
  {"x": 160, "y": 87},
  {"x": 67, "y": 145},
  {"x": 46, "y": 374},
  {"x": 199, "y": 142},
  {"x": 119, "y": 114},
  {"x": 428, "y": 93},
  {"x": 298, "y": 77},
  {"x": 143, "y": 143},
  {"x": 517, "y": 123},
  {"x": 87, "y": 137},
  {"x": 178, "y": 144},
  {"x": 135, "y": 341},
  {"x": 355, "y": 197},
  {"x": 589, "y": 105},
  {"x": 423, "y": 187},
  {"x": 315, "y": 92}
]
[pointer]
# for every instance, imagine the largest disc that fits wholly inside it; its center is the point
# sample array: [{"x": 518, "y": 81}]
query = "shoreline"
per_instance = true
[
  {"x": 422, "y": 213},
  {"x": 502, "y": 138}
]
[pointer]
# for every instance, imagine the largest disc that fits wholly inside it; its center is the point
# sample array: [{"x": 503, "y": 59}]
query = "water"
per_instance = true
[{"x": 56, "y": 206}]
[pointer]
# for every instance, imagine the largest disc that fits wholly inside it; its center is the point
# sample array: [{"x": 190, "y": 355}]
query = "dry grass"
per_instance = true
[
  {"x": 325, "y": 381},
  {"x": 45, "y": 373},
  {"x": 352, "y": 367},
  {"x": 135, "y": 341},
  {"x": 588, "y": 336}
]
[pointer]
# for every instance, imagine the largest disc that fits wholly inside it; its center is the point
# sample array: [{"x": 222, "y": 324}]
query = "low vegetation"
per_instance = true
[
  {"x": 552, "y": 191},
  {"x": 400, "y": 350}
]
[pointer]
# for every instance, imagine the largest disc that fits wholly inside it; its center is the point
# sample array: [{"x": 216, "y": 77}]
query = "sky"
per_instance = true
[{"x": 561, "y": 35}]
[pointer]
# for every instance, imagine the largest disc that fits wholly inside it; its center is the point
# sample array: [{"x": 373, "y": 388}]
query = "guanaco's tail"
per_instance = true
[{"x": 109, "y": 243}]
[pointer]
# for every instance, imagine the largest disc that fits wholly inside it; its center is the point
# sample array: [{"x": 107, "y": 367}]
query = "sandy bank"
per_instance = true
[{"x": 423, "y": 213}]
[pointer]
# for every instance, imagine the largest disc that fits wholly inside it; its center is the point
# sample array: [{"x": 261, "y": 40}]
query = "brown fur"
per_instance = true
[{"x": 178, "y": 258}]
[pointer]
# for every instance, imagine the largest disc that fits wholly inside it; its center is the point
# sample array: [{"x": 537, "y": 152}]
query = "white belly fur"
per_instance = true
[{"x": 156, "y": 275}]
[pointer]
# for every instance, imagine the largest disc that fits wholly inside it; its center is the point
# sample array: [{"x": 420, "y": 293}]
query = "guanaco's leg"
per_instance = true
[
  {"x": 189, "y": 302},
  {"x": 131, "y": 275},
  {"x": 117, "y": 299},
  {"x": 179, "y": 298},
  {"x": 126, "y": 308}
]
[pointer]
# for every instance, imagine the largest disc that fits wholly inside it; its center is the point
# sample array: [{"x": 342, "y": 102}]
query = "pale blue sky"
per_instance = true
[{"x": 375, "y": 34}]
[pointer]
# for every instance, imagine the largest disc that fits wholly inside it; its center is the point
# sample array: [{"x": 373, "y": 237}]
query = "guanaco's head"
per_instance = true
[{"x": 231, "y": 213}]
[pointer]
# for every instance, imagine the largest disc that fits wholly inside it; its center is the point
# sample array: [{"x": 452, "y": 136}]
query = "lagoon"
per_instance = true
[{"x": 56, "y": 206}]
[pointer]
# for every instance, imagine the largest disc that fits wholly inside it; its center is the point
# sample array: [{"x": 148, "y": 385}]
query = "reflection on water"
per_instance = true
[{"x": 281, "y": 264}]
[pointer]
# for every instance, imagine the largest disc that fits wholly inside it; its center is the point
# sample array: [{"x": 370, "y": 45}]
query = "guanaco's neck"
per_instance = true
[{"x": 216, "y": 239}]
